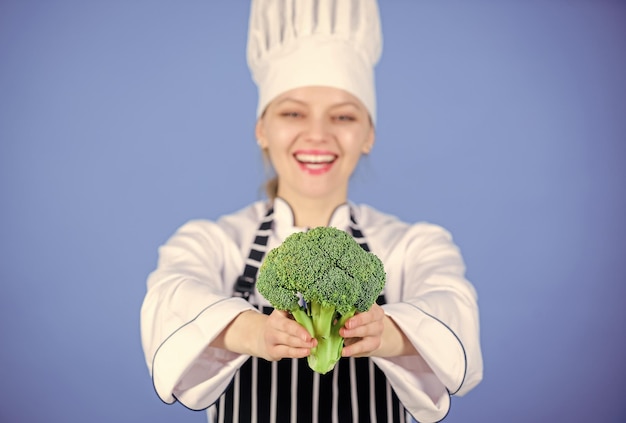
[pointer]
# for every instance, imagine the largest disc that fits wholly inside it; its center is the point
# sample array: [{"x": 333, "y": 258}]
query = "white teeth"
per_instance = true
[{"x": 315, "y": 158}]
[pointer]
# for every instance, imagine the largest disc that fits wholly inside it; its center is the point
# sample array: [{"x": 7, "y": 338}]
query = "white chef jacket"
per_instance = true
[{"x": 189, "y": 302}]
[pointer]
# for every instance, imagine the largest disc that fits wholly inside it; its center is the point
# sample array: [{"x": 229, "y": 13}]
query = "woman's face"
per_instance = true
[{"x": 314, "y": 137}]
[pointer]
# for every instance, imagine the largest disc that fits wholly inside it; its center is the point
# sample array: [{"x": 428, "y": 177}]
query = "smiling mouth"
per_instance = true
[{"x": 315, "y": 162}]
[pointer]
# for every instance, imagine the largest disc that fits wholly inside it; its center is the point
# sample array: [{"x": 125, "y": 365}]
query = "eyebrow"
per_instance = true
[
  {"x": 304, "y": 103},
  {"x": 287, "y": 99}
]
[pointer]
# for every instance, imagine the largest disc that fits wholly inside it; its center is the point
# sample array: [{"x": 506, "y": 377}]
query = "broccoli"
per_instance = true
[{"x": 322, "y": 277}]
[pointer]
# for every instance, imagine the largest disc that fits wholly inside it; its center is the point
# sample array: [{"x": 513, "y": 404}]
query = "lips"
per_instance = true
[{"x": 315, "y": 162}]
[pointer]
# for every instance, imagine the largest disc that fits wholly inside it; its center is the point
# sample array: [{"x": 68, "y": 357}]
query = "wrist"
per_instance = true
[
  {"x": 394, "y": 341},
  {"x": 236, "y": 337}
]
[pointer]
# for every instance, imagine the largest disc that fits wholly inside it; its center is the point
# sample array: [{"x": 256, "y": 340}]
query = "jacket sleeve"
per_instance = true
[
  {"x": 185, "y": 307},
  {"x": 437, "y": 310}
]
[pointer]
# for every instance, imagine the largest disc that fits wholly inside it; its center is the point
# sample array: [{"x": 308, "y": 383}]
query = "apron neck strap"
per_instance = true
[{"x": 244, "y": 286}]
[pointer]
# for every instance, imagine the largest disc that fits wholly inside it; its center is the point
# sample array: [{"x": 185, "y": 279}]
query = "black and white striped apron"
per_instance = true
[{"x": 288, "y": 390}]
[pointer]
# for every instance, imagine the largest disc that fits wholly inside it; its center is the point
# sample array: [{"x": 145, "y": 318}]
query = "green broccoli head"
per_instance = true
[
  {"x": 322, "y": 277},
  {"x": 277, "y": 283}
]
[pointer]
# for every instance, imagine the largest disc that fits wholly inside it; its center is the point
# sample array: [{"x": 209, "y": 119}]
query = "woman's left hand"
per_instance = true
[
  {"x": 373, "y": 333},
  {"x": 363, "y": 332}
]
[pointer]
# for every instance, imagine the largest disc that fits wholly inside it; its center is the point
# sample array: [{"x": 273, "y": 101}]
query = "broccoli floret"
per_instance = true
[{"x": 322, "y": 277}]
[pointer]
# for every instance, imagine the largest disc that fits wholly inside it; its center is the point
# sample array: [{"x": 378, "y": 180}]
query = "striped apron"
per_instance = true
[{"x": 288, "y": 390}]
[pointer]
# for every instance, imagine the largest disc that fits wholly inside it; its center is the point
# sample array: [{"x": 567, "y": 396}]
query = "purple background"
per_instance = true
[{"x": 504, "y": 121}]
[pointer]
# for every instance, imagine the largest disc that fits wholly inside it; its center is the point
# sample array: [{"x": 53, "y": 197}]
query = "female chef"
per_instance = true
[{"x": 212, "y": 341}]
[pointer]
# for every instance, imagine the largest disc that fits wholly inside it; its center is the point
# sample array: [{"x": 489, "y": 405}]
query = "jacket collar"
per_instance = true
[{"x": 284, "y": 218}]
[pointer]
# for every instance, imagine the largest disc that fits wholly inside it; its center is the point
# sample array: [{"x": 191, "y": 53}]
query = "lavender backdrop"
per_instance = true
[{"x": 504, "y": 121}]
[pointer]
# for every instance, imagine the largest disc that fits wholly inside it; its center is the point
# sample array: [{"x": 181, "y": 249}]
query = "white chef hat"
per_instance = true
[{"x": 296, "y": 43}]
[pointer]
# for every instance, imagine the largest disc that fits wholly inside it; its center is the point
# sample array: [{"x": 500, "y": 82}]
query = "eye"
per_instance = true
[
  {"x": 345, "y": 118},
  {"x": 291, "y": 114}
]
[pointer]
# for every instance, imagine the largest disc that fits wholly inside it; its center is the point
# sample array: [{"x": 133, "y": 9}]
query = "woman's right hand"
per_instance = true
[
  {"x": 283, "y": 337},
  {"x": 272, "y": 337}
]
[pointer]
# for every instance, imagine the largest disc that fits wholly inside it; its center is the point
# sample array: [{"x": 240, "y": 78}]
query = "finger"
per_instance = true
[
  {"x": 286, "y": 333},
  {"x": 363, "y": 347},
  {"x": 375, "y": 313},
  {"x": 281, "y": 344},
  {"x": 290, "y": 341},
  {"x": 374, "y": 328},
  {"x": 283, "y": 351},
  {"x": 283, "y": 321}
]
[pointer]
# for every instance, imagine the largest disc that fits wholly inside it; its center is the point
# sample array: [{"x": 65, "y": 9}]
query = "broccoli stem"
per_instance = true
[
  {"x": 326, "y": 323},
  {"x": 323, "y": 317},
  {"x": 303, "y": 318},
  {"x": 328, "y": 351}
]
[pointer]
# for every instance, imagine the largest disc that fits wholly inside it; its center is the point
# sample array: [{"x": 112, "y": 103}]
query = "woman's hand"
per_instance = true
[
  {"x": 283, "y": 337},
  {"x": 270, "y": 337},
  {"x": 374, "y": 334},
  {"x": 363, "y": 332}
]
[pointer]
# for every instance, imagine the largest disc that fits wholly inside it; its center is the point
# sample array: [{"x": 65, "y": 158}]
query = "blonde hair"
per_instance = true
[{"x": 270, "y": 186}]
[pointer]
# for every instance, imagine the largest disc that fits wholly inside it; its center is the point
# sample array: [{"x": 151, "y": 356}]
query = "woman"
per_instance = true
[{"x": 212, "y": 341}]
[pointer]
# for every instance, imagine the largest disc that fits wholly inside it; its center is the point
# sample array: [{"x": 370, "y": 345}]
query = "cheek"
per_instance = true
[
  {"x": 355, "y": 144},
  {"x": 279, "y": 138},
  {"x": 278, "y": 147}
]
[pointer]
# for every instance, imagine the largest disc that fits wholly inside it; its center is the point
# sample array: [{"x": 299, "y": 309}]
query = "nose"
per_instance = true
[{"x": 318, "y": 129}]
